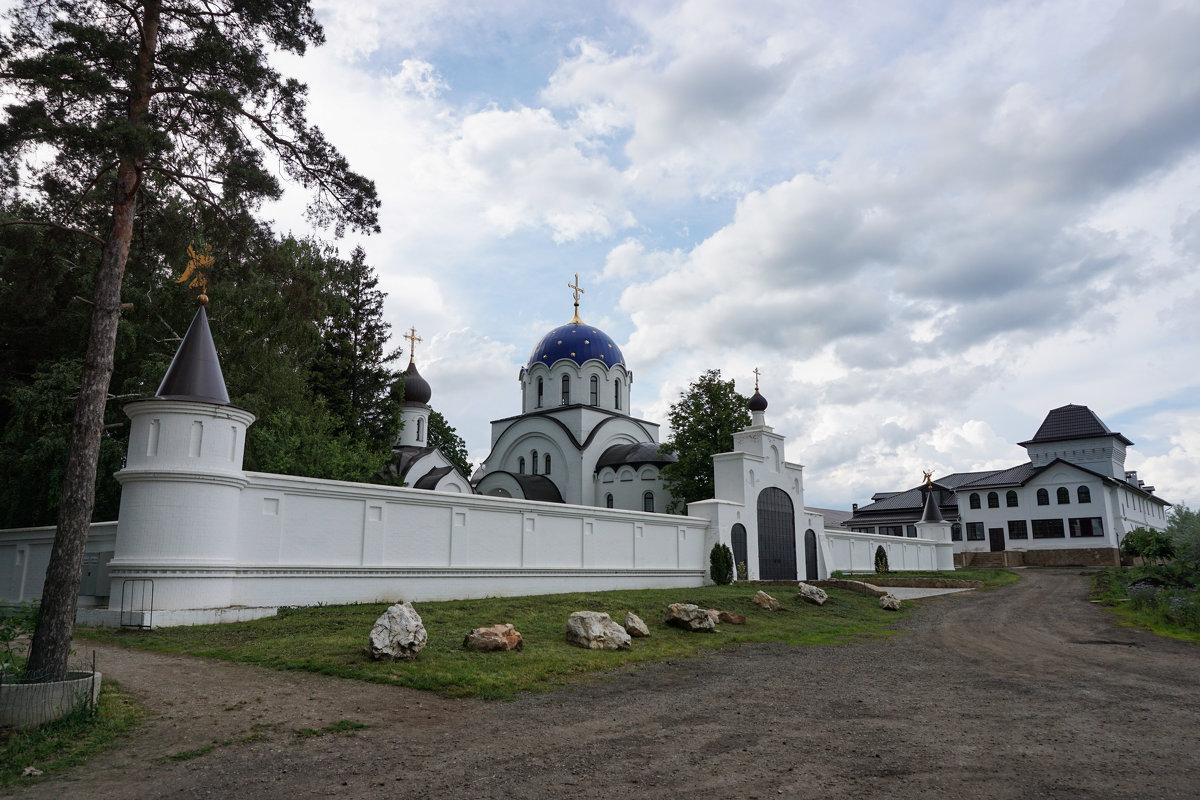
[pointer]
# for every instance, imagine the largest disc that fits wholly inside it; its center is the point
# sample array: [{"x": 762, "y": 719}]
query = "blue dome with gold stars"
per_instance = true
[{"x": 578, "y": 342}]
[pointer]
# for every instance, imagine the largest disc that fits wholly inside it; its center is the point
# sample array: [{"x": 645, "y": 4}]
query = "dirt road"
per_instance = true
[{"x": 1022, "y": 692}]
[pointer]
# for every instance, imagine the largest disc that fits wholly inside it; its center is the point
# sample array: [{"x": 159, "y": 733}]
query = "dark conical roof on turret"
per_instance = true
[
  {"x": 416, "y": 388},
  {"x": 195, "y": 372},
  {"x": 931, "y": 513}
]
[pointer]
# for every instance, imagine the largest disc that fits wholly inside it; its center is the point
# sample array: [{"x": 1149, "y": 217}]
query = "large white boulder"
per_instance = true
[
  {"x": 399, "y": 634},
  {"x": 690, "y": 617},
  {"x": 596, "y": 630},
  {"x": 634, "y": 626},
  {"x": 889, "y": 602},
  {"x": 812, "y": 594},
  {"x": 765, "y": 600}
]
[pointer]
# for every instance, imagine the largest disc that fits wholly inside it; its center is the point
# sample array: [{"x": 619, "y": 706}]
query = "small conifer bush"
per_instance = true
[
  {"x": 881, "y": 565},
  {"x": 721, "y": 564}
]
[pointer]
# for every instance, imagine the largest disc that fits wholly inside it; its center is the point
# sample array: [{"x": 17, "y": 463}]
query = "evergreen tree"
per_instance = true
[
  {"x": 446, "y": 438},
  {"x": 351, "y": 372},
  {"x": 702, "y": 424},
  {"x": 124, "y": 105}
]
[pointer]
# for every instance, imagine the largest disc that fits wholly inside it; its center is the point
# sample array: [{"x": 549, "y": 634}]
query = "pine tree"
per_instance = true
[
  {"x": 351, "y": 372},
  {"x": 702, "y": 424},
  {"x": 125, "y": 105}
]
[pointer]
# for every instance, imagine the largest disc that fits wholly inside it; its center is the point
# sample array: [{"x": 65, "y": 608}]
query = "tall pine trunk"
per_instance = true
[{"x": 51, "y": 647}]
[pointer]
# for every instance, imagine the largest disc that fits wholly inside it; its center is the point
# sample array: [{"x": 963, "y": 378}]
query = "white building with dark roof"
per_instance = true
[{"x": 1071, "y": 503}]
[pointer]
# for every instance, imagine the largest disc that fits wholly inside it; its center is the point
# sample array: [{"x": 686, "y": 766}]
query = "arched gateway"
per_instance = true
[{"x": 776, "y": 536}]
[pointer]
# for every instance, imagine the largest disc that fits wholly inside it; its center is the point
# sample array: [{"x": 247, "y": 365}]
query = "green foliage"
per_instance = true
[
  {"x": 1148, "y": 544},
  {"x": 69, "y": 741},
  {"x": 330, "y": 640},
  {"x": 720, "y": 562},
  {"x": 1183, "y": 527},
  {"x": 702, "y": 424},
  {"x": 742, "y": 572},
  {"x": 15, "y": 623},
  {"x": 1161, "y": 598},
  {"x": 446, "y": 438},
  {"x": 881, "y": 560}
]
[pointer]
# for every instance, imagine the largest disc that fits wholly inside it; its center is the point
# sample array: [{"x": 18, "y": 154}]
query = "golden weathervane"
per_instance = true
[{"x": 198, "y": 262}]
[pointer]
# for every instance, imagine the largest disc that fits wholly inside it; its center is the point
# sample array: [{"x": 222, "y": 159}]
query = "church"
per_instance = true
[{"x": 573, "y": 442}]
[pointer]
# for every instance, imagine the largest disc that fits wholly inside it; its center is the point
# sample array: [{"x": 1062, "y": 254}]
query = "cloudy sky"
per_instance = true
[{"x": 926, "y": 223}]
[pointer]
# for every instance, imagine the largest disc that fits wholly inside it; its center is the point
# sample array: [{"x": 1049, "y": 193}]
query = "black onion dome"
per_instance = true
[
  {"x": 758, "y": 402},
  {"x": 416, "y": 388},
  {"x": 578, "y": 342}
]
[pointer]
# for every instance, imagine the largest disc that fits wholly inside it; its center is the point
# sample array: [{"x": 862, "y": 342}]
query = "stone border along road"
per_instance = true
[{"x": 1021, "y": 692}]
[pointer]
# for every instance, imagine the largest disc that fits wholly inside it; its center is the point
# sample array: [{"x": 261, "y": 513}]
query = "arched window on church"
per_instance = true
[
  {"x": 539, "y": 393},
  {"x": 608, "y": 501},
  {"x": 535, "y": 462},
  {"x": 521, "y": 465},
  {"x": 617, "y": 394},
  {"x": 595, "y": 398},
  {"x": 566, "y": 390},
  {"x": 420, "y": 429},
  {"x": 546, "y": 464},
  {"x": 648, "y": 502}
]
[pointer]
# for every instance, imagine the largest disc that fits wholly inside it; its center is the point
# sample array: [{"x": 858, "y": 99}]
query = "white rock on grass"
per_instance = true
[
  {"x": 690, "y": 617},
  {"x": 889, "y": 602},
  {"x": 765, "y": 600},
  {"x": 399, "y": 634},
  {"x": 596, "y": 630},
  {"x": 635, "y": 627},
  {"x": 812, "y": 594}
]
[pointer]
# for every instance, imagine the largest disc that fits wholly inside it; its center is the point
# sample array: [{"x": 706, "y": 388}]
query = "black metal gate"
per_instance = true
[
  {"x": 738, "y": 535},
  {"x": 810, "y": 555},
  {"x": 776, "y": 536}
]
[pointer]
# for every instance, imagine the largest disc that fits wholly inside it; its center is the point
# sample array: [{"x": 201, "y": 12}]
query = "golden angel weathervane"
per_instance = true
[{"x": 198, "y": 262}]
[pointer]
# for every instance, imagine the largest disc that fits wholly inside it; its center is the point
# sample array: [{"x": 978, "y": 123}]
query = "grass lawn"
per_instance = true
[
  {"x": 332, "y": 639},
  {"x": 67, "y": 742}
]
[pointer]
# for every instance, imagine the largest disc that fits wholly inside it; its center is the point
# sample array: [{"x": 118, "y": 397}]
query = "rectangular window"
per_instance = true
[
  {"x": 891, "y": 530},
  {"x": 956, "y": 532},
  {"x": 863, "y": 530},
  {"x": 1086, "y": 526},
  {"x": 1048, "y": 529},
  {"x": 1017, "y": 529},
  {"x": 911, "y": 530},
  {"x": 975, "y": 532}
]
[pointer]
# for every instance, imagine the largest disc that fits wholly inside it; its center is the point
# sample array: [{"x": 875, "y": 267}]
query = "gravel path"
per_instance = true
[{"x": 1022, "y": 692}]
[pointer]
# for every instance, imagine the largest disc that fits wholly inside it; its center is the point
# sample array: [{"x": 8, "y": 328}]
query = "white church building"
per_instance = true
[{"x": 569, "y": 500}]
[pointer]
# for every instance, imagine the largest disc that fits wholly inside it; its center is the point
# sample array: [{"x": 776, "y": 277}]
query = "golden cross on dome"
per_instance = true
[
  {"x": 412, "y": 343},
  {"x": 756, "y": 374},
  {"x": 578, "y": 290}
]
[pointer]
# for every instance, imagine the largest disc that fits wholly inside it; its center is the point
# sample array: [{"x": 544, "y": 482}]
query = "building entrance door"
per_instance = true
[{"x": 996, "y": 535}]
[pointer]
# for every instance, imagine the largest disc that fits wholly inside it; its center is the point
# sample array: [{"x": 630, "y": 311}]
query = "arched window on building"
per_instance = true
[
  {"x": 648, "y": 502},
  {"x": 1064, "y": 496},
  {"x": 1010, "y": 498},
  {"x": 608, "y": 500},
  {"x": 1085, "y": 494},
  {"x": 566, "y": 390},
  {"x": 420, "y": 429},
  {"x": 975, "y": 500},
  {"x": 956, "y": 532},
  {"x": 993, "y": 500},
  {"x": 521, "y": 465},
  {"x": 540, "y": 392},
  {"x": 546, "y": 465},
  {"x": 595, "y": 391},
  {"x": 617, "y": 394},
  {"x": 535, "y": 463}
]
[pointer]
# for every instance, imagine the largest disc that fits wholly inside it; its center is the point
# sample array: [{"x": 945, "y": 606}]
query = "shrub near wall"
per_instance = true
[{"x": 721, "y": 564}]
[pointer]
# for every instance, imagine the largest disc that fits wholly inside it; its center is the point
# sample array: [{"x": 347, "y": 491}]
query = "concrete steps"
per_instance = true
[{"x": 988, "y": 560}]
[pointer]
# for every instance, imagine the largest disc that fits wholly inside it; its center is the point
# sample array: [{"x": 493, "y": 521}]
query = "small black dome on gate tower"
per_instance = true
[
  {"x": 416, "y": 388},
  {"x": 758, "y": 402}
]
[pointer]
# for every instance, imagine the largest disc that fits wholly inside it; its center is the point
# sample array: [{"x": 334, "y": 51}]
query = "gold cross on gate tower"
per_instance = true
[
  {"x": 578, "y": 290},
  {"x": 412, "y": 343},
  {"x": 756, "y": 374}
]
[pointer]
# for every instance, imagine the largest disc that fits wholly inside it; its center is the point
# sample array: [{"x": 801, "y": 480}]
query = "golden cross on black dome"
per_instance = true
[
  {"x": 412, "y": 343},
  {"x": 756, "y": 374},
  {"x": 578, "y": 290}
]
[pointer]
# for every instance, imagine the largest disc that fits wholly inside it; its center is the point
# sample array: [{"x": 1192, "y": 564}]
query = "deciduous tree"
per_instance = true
[
  {"x": 123, "y": 105},
  {"x": 702, "y": 424}
]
